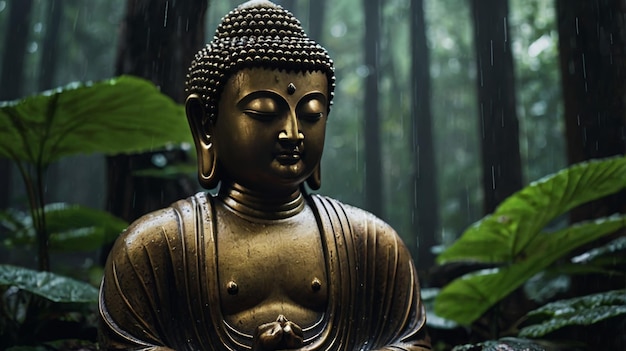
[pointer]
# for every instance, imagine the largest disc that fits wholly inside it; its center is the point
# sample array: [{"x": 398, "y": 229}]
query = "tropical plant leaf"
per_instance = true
[
  {"x": 546, "y": 285},
  {"x": 465, "y": 299},
  {"x": 615, "y": 245},
  {"x": 502, "y": 344},
  {"x": 48, "y": 285},
  {"x": 512, "y": 231},
  {"x": 584, "y": 310},
  {"x": 17, "y": 224},
  {"x": 119, "y": 115},
  {"x": 434, "y": 321},
  {"x": 78, "y": 228},
  {"x": 71, "y": 228}
]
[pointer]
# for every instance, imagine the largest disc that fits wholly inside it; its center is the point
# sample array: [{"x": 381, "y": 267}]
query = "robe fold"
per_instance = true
[{"x": 160, "y": 287}]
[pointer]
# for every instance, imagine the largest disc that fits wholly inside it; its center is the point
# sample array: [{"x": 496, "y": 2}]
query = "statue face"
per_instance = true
[{"x": 270, "y": 127}]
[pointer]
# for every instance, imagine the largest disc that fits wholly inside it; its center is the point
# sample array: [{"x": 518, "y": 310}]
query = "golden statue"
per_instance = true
[{"x": 262, "y": 265}]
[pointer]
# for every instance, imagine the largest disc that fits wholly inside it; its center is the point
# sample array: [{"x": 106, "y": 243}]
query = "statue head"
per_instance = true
[{"x": 259, "y": 65}]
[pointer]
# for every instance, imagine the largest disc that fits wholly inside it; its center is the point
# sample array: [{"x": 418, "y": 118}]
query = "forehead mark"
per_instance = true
[{"x": 291, "y": 88}]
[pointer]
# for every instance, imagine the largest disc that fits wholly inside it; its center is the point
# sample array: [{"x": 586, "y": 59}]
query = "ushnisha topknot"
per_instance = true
[{"x": 258, "y": 33}]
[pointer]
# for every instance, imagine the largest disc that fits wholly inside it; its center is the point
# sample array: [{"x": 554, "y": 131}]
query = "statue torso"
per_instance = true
[
  {"x": 154, "y": 294},
  {"x": 268, "y": 268}
]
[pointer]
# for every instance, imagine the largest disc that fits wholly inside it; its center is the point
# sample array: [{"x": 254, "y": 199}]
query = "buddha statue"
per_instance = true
[{"x": 263, "y": 264}]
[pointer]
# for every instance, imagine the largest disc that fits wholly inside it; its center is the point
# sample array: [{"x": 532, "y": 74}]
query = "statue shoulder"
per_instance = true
[
  {"x": 154, "y": 229},
  {"x": 363, "y": 222}
]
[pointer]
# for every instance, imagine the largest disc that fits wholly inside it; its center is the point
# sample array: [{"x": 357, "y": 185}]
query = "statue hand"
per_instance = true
[
  {"x": 292, "y": 335},
  {"x": 279, "y": 335},
  {"x": 267, "y": 337}
]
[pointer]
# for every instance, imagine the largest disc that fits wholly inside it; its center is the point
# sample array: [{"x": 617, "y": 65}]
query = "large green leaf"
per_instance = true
[
  {"x": 513, "y": 230},
  {"x": 506, "y": 344},
  {"x": 77, "y": 228},
  {"x": 120, "y": 115},
  {"x": 598, "y": 253},
  {"x": 71, "y": 227},
  {"x": 51, "y": 286},
  {"x": 465, "y": 299},
  {"x": 584, "y": 310}
]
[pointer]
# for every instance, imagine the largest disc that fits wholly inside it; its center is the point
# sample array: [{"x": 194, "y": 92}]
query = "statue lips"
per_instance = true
[{"x": 288, "y": 156}]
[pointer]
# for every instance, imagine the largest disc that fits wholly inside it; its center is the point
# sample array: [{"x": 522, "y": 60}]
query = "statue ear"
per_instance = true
[
  {"x": 315, "y": 179},
  {"x": 201, "y": 131}
]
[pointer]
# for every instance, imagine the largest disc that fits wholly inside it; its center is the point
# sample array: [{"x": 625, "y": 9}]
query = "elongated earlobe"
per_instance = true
[
  {"x": 315, "y": 179},
  {"x": 205, "y": 148}
]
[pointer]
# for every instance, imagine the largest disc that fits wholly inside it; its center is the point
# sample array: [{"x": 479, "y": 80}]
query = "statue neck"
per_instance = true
[{"x": 258, "y": 205}]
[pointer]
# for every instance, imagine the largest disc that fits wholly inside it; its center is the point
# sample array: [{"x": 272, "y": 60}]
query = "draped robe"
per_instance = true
[{"x": 160, "y": 287}]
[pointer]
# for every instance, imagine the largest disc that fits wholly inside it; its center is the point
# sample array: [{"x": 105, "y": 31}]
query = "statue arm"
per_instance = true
[
  {"x": 414, "y": 336},
  {"x": 397, "y": 314},
  {"x": 130, "y": 291}
]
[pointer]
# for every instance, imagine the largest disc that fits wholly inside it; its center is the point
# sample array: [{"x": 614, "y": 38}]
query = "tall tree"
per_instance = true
[
  {"x": 50, "y": 47},
  {"x": 317, "y": 15},
  {"x": 15, "y": 40},
  {"x": 158, "y": 40},
  {"x": 592, "y": 48},
  {"x": 373, "y": 164},
  {"x": 424, "y": 209},
  {"x": 501, "y": 163},
  {"x": 11, "y": 74}
]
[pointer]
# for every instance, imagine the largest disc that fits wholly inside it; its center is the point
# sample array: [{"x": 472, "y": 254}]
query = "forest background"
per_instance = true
[
  {"x": 86, "y": 39},
  {"x": 442, "y": 109}
]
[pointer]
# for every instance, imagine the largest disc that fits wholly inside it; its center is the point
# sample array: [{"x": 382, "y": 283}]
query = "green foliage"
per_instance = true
[
  {"x": 512, "y": 237},
  {"x": 71, "y": 227},
  {"x": 48, "y": 285},
  {"x": 513, "y": 231},
  {"x": 120, "y": 115},
  {"x": 584, "y": 310},
  {"x": 502, "y": 344},
  {"x": 36, "y": 306}
]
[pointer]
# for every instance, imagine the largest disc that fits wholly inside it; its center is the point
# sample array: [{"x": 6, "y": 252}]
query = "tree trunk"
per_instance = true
[
  {"x": 317, "y": 16},
  {"x": 158, "y": 41},
  {"x": 592, "y": 49},
  {"x": 373, "y": 164},
  {"x": 501, "y": 163},
  {"x": 5, "y": 183},
  {"x": 11, "y": 74},
  {"x": 424, "y": 209},
  {"x": 15, "y": 40},
  {"x": 48, "y": 63}
]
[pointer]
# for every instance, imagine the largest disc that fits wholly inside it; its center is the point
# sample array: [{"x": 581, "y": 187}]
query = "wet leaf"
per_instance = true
[
  {"x": 48, "y": 285},
  {"x": 504, "y": 344},
  {"x": 433, "y": 320},
  {"x": 120, "y": 115},
  {"x": 584, "y": 310},
  {"x": 616, "y": 245},
  {"x": 514, "y": 230},
  {"x": 465, "y": 299},
  {"x": 71, "y": 228},
  {"x": 78, "y": 228}
]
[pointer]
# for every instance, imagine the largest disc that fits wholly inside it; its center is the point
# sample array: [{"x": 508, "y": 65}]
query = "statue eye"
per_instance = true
[
  {"x": 261, "y": 108},
  {"x": 311, "y": 110}
]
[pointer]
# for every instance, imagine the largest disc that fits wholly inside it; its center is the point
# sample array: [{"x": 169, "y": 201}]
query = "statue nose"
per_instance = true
[{"x": 291, "y": 131}]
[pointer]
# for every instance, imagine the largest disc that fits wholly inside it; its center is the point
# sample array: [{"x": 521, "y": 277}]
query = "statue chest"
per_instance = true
[{"x": 271, "y": 269}]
